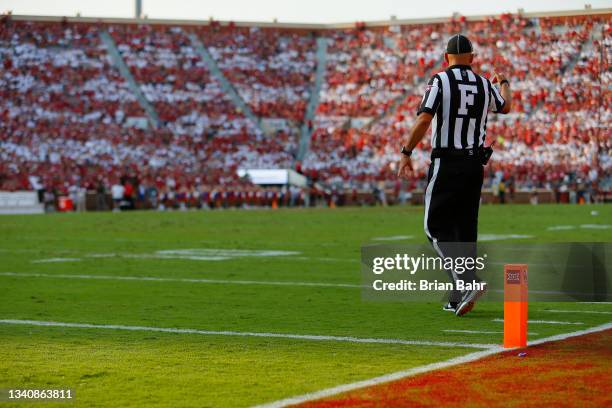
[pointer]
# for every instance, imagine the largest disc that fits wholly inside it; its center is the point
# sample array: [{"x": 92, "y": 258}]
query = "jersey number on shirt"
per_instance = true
[{"x": 467, "y": 97}]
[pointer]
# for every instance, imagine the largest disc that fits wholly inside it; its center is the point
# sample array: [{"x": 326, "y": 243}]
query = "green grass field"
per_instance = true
[{"x": 259, "y": 293}]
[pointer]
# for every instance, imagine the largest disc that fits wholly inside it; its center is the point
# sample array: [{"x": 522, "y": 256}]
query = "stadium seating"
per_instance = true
[
  {"x": 68, "y": 116},
  {"x": 272, "y": 70},
  {"x": 62, "y": 103},
  {"x": 65, "y": 110},
  {"x": 559, "y": 113}
]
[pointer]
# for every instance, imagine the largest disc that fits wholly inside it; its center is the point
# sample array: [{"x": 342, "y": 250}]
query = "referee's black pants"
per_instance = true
[{"x": 452, "y": 201}]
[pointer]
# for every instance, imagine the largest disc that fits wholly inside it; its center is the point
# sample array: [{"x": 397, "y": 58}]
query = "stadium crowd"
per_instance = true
[
  {"x": 558, "y": 135},
  {"x": 67, "y": 113},
  {"x": 70, "y": 120},
  {"x": 271, "y": 69}
]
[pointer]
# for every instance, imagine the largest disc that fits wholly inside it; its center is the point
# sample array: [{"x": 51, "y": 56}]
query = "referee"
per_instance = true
[{"x": 456, "y": 104}]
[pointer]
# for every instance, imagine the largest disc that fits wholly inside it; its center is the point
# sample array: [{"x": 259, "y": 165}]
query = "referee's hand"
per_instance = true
[
  {"x": 405, "y": 167},
  {"x": 498, "y": 77}
]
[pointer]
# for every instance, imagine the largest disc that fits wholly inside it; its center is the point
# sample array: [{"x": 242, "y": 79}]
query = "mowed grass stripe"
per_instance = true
[
  {"x": 250, "y": 308},
  {"x": 231, "y": 282},
  {"x": 184, "y": 280},
  {"x": 246, "y": 334}
]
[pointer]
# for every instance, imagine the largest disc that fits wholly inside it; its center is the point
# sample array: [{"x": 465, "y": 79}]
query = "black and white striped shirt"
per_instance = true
[{"x": 460, "y": 100}]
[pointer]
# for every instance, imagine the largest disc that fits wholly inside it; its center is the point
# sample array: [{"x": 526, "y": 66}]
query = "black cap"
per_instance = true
[{"x": 459, "y": 44}]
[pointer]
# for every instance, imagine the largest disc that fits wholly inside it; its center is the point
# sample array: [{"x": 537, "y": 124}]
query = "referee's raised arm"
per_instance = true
[{"x": 506, "y": 93}]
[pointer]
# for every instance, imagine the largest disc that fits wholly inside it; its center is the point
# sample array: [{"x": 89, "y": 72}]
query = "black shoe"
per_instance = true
[
  {"x": 467, "y": 301},
  {"x": 450, "y": 307}
]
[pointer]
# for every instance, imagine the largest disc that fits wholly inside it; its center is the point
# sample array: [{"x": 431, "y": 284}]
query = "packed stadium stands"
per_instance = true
[
  {"x": 546, "y": 60},
  {"x": 272, "y": 69},
  {"x": 69, "y": 118}
]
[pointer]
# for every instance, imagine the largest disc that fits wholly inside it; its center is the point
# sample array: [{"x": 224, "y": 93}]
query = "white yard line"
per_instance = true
[
  {"x": 480, "y": 332},
  {"x": 596, "y": 226},
  {"x": 577, "y": 311},
  {"x": 419, "y": 370},
  {"x": 54, "y": 260},
  {"x": 193, "y": 258},
  {"x": 308, "y": 258},
  {"x": 182, "y": 280},
  {"x": 561, "y": 227},
  {"x": 394, "y": 238},
  {"x": 347, "y": 339},
  {"x": 499, "y": 237},
  {"x": 540, "y": 321}
]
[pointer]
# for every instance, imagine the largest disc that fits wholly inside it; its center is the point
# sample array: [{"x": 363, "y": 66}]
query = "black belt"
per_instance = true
[
  {"x": 482, "y": 154},
  {"x": 455, "y": 153}
]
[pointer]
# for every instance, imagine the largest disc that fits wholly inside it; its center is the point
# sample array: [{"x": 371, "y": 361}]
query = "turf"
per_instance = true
[
  {"x": 135, "y": 369},
  {"x": 574, "y": 372},
  {"x": 109, "y": 367}
]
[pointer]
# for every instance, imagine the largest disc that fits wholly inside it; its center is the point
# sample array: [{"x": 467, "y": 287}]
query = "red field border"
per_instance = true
[{"x": 575, "y": 372}]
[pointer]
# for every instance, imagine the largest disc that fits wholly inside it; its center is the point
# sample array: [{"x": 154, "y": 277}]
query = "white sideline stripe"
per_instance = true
[
  {"x": 596, "y": 303},
  {"x": 541, "y": 321},
  {"x": 379, "y": 380},
  {"x": 347, "y": 339},
  {"x": 480, "y": 332},
  {"x": 420, "y": 370},
  {"x": 577, "y": 311},
  {"x": 184, "y": 280},
  {"x": 557, "y": 337}
]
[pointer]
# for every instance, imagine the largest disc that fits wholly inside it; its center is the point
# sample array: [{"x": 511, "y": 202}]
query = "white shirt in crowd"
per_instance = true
[{"x": 117, "y": 191}]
